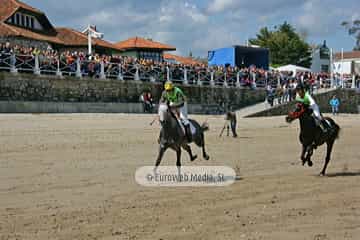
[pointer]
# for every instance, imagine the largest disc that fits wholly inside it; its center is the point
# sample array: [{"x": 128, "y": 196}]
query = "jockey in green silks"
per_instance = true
[
  {"x": 304, "y": 97},
  {"x": 176, "y": 99}
]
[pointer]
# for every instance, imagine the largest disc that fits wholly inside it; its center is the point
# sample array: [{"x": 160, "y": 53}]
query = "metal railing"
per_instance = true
[{"x": 124, "y": 71}]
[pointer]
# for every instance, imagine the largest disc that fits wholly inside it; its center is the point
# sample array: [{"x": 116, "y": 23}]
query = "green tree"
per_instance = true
[
  {"x": 354, "y": 31},
  {"x": 285, "y": 45}
]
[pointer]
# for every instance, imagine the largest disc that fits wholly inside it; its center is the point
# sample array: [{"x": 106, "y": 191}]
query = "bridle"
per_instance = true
[{"x": 300, "y": 110}]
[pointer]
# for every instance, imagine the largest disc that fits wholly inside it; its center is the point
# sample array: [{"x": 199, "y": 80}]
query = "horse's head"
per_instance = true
[
  {"x": 166, "y": 116},
  {"x": 163, "y": 113},
  {"x": 298, "y": 112}
]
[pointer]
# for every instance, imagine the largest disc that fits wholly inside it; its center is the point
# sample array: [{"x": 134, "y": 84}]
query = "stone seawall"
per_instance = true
[
  {"x": 349, "y": 103},
  {"x": 29, "y": 92},
  {"x": 88, "y": 107}
]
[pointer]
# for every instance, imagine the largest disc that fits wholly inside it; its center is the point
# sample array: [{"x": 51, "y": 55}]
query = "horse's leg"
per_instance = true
[
  {"x": 178, "y": 160},
  {"x": 330, "y": 145},
  {"x": 310, "y": 152},
  {"x": 188, "y": 149},
  {"x": 302, "y": 157},
  {"x": 162, "y": 150},
  {"x": 205, "y": 156}
]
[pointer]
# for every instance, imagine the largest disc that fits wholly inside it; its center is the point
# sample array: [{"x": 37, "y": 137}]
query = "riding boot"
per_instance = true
[
  {"x": 326, "y": 125},
  {"x": 188, "y": 133},
  {"x": 321, "y": 125}
]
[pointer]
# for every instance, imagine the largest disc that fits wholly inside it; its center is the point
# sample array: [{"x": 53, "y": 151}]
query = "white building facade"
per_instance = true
[{"x": 347, "y": 63}]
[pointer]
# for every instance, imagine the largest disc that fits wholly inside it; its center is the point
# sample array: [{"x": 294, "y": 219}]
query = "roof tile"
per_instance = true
[
  {"x": 348, "y": 55},
  {"x": 141, "y": 43},
  {"x": 181, "y": 60}
]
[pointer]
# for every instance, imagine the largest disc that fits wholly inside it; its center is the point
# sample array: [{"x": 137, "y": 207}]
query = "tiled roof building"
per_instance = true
[
  {"x": 25, "y": 25},
  {"x": 144, "y": 48},
  {"x": 348, "y": 55},
  {"x": 180, "y": 60},
  {"x": 142, "y": 43}
]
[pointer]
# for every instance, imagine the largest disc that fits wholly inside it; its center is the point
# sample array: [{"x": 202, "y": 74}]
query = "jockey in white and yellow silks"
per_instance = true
[
  {"x": 304, "y": 97},
  {"x": 176, "y": 99}
]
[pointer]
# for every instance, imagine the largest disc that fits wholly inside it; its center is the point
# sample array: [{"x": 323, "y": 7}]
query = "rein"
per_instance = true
[{"x": 297, "y": 114}]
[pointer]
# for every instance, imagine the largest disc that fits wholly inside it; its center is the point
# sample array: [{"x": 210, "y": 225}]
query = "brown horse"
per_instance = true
[{"x": 312, "y": 136}]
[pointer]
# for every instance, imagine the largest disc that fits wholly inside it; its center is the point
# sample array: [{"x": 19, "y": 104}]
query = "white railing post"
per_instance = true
[
  {"x": 212, "y": 80},
  {"x": 78, "y": 68},
  {"x": 238, "y": 80},
  {"x": 13, "y": 63},
  {"x": 278, "y": 81},
  {"x": 321, "y": 81},
  {"x": 37, "y": 65},
  {"x": 225, "y": 80},
  {"x": 186, "y": 82},
  {"x": 102, "y": 70},
  {"x": 353, "y": 81},
  {"x": 137, "y": 76},
  {"x": 152, "y": 78},
  {"x": 120, "y": 76},
  {"x": 58, "y": 72},
  {"x": 167, "y": 73},
  {"x": 199, "y": 80}
]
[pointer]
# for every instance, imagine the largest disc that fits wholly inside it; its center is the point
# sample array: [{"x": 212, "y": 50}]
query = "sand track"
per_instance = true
[{"x": 72, "y": 177}]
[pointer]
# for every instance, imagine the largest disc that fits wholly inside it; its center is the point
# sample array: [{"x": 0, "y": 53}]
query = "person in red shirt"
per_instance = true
[{"x": 147, "y": 101}]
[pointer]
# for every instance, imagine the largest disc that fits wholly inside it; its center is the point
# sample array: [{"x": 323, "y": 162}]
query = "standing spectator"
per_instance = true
[
  {"x": 334, "y": 103},
  {"x": 230, "y": 122},
  {"x": 147, "y": 101},
  {"x": 270, "y": 95},
  {"x": 286, "y": 94},
  {"x": 279, "y": 94},
  {"x": 7, "y": 49}
]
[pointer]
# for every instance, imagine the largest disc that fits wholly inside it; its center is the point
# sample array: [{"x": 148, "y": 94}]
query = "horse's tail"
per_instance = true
[
  {"x": 336, "y": 127},
  {"x": 337, "y": 131},
  {"x": 205, "y": 126}
]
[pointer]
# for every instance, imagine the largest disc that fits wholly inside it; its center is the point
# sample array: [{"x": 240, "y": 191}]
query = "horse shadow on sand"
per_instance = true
[{"x": 344, "y": 174}]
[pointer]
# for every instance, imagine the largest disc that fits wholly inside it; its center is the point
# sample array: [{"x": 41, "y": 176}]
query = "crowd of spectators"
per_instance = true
[
  {"x": 279, "y": 84},
  {"x": 285, "y": 89}
]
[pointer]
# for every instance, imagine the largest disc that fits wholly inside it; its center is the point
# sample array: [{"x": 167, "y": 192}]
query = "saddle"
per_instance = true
[
  {"x": 326, "y": 127},
  {"x": 181, "y": 123}
]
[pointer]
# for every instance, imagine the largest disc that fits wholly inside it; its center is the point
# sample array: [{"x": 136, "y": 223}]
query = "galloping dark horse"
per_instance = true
[
  {"x": 172, "y": 136},
  {"x": 311, "y": 135}
]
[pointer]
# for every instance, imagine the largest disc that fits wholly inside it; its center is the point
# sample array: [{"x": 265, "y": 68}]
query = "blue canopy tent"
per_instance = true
[{"x": 240, "y": 56}]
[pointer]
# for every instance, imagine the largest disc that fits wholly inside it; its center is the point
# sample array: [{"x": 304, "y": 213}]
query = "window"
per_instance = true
[
  {"x": 22, "y": 20},
  {"x": 324, "y": 53},
  {"x": 17, "y": 22},
  {"x": 32, "y": 25},
  {"x": 12, "y": 19},
  {"x": 27, "y": 21},
  {"x": 325, "y": 68}
]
